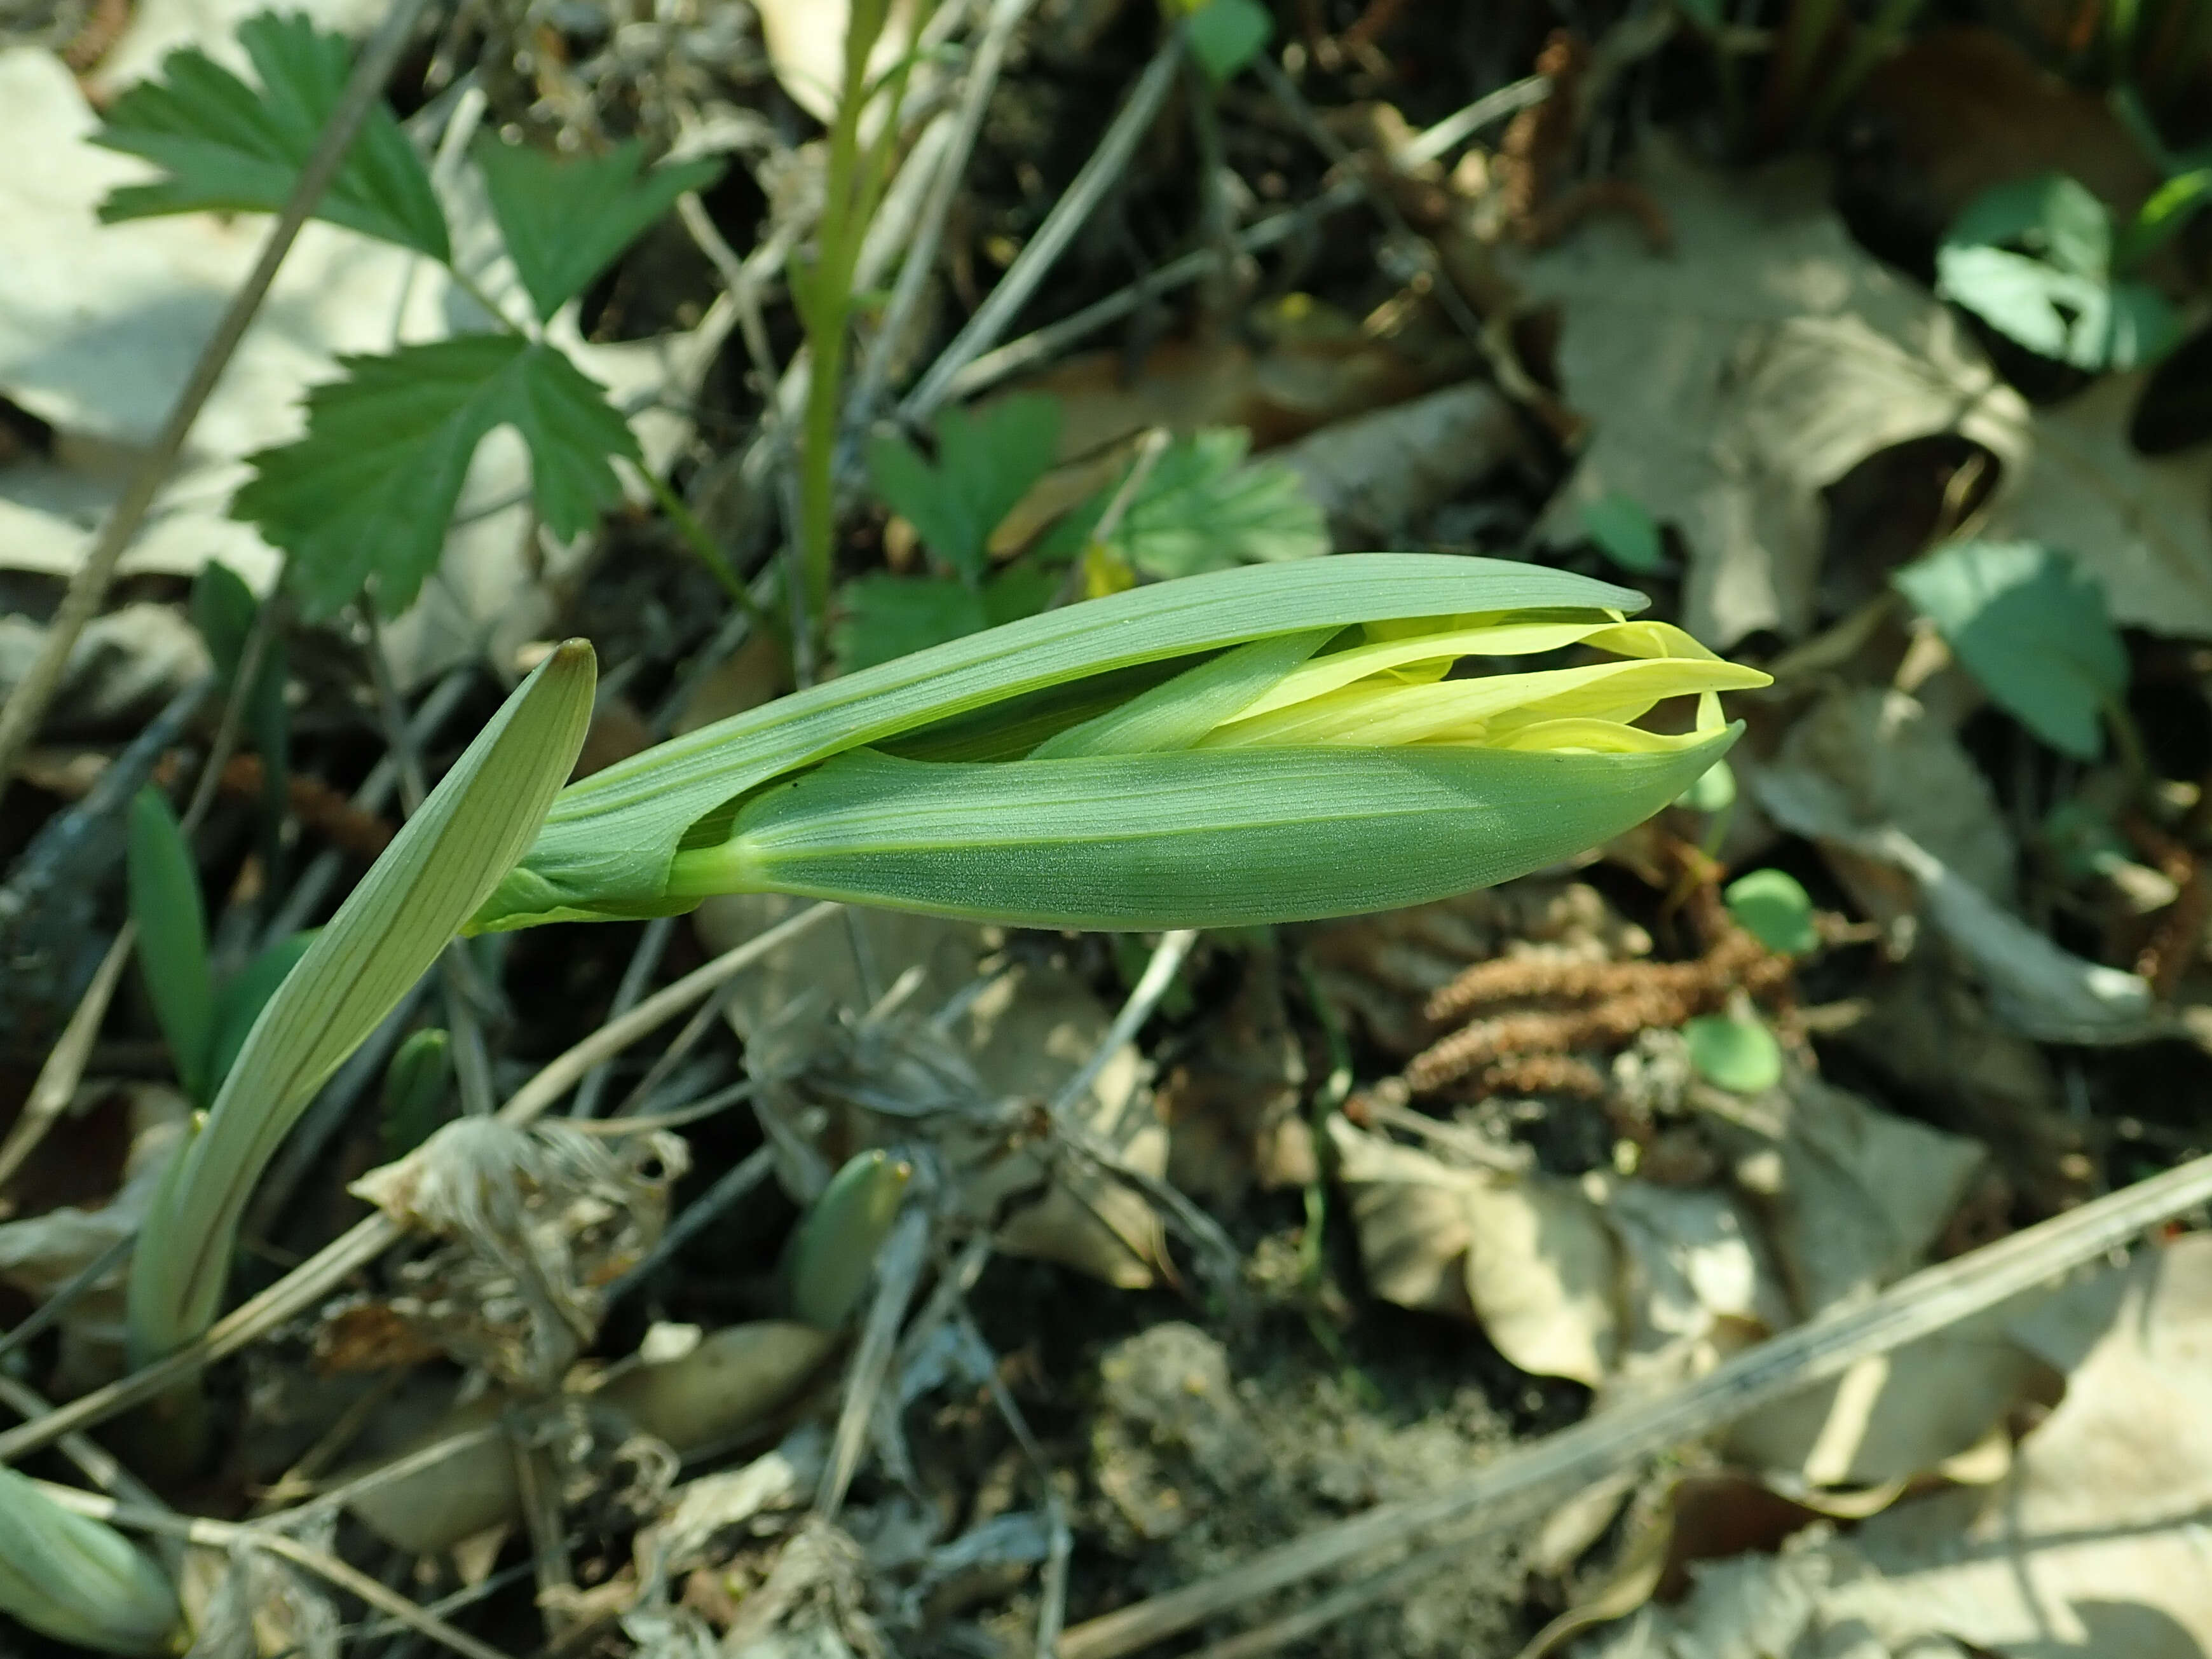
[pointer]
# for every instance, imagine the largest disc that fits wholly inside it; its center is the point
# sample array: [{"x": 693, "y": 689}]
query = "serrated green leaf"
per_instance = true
[
  {"x": 1773, "y": 906},
  {"x": 883, "y": 617},
  {"x": 986, "y": 462},
  {"x": 240, "y": 1001},
  {"x": 173, "y": 948},
  {"x": 564, "y": 219},
  {"x": 2032, "y": 629},
  {"x": 229, "y": 147},
  {"x": 1625, "y": 532},
  {"x": 1224, "y": 35},
  {"x": 79, "y": 1580},
  {"x": 417, "y": 1084},
  {"x": 368, "y": 493},
  {"x": 451, "y": 854},
  {"x": 609, "y": 840},
  {"x": 1201, "y": 508}
]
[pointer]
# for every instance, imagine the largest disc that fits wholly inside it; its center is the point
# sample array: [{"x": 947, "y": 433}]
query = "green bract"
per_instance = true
[
  {"x": 1268, "y": 744},
  {"x": 383, "y": 936}
]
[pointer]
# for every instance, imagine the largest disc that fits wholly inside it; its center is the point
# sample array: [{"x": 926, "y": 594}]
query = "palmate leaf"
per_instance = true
[
  {"x": 368, "y": 491},
  {"x": 986, "y": 463},
  {"x": 1201, "y": 508},
  {"x": 229, "y": 147},
  {"x": 564, "y": 219},
  {"x": 883, "y": 616}
]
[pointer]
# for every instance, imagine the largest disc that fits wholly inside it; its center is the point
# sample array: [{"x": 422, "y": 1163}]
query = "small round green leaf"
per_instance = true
[
  {"x": 1774, "y": 908},
  {"x": 1737, "y": 1054},
  {"x": 1625, "y": 532}
]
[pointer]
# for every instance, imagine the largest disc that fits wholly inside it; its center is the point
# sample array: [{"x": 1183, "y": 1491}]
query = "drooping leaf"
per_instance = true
[
  {"x": 173, "y": 948},
  {"x": 2031, "y": 629},
  {"x": 1774, "y": 908},
  {"x": 452, "y": 853},
  {"x": 240, "y": 1002},
  {"x": 417, "y": 1084},
  {"x": 226, "y": 147},
  {"x": 1737, "y": 1054},
  {"x": 1625, "y": 532},
  {"x": 1200, "y": 507},
  {"x": 986, "y": 462},
  {"x": 1224, "y": 35},
  {"x": 368, "y": 493},
  {"x": 565, "y": 218}
]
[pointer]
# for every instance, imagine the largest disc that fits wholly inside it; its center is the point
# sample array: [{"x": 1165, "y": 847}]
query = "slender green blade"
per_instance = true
[
  {"x": 240, "y": 1003},
  {"x": 609, "y": 840},
  {"x": 1177, "y": 714},
  {"x": 173, "y": 947},
  {"x": 439, "y": 867},
  {"x": 1200, "y": 838}
]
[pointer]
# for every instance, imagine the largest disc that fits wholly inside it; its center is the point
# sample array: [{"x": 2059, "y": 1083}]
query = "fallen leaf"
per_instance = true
[
  {"x": 1532, "y": 1252},
  {"x": 1376, "y": 477},
  {"x": 2090, "y": 1545},
  {"x": 1731, "y": 385}
]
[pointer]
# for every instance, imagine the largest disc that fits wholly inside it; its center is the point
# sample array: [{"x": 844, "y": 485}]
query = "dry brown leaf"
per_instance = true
[
  {"x": 1377, "y": 477},
  {"x": 1733, "y": 384},
  {"x": 1530, "y": 1255},
  {"x": 2090, "y": 1546},
  {"x": 1231, "y": 1104}
]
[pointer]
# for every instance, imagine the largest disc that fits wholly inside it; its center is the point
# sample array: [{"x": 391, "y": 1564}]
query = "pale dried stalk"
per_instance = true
[
  {"x": 329, "y": 1268},
  {"x": 1931, "y": 1300}
]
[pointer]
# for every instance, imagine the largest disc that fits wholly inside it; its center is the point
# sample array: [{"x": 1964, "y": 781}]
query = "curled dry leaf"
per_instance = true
[
  {"x": 538, "y": 1221},
  {"x": 1733, "y": 384},
  {"x": 2089, "y": 1545}
]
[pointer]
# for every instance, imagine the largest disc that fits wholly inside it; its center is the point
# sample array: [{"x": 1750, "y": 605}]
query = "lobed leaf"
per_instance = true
[
  {"x": 229, "y": 147},
  {"x": 436, "y": 872},
  {"x": 882, "y": 616},
  {"x": 986, "y": 462},
  {"x": 369, "y": 491},
  {"x": 609, "y": 840},
  {"x": 564, "y": 219},
  {"x": 1201, "y": 508}
]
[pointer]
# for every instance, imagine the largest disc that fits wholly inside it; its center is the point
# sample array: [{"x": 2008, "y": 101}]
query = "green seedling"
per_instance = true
[
  {"x": 389, "y": 930},
  {"x": 1273, "y": 742},
  {"x": 204, "y": 1023},
  {"x": 79, "y": 1580},
  {"x": 224, "y": 610},
  {"x": 832, "y": 1254},
  {"x": 1223, "y": 36},
  {"x": 2033, "y": 629},
  {"x": 418, "y": 1087},
  {"x": 1773, "y": 906},
  {"x": 1736, "y": 1053}
]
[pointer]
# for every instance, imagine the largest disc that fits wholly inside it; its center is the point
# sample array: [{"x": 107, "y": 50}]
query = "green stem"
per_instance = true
[{"x": 696, "y": 537}]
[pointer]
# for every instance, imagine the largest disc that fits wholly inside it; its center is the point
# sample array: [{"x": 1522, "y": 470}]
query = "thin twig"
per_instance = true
[
  {"x": 921, "y": 251},
  {"x": 637, "y": 973},
  {"x": 323, "y": 1272},
  {"x": 1504, "y": 1491},
  {"x": 1046, "y": 344},
  {"x": 739, "y": 1180},
  {"x": 1102, "y": 173},
  {"x": 27, "y": 704},
  {"x": 43, "y": 1317}
]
